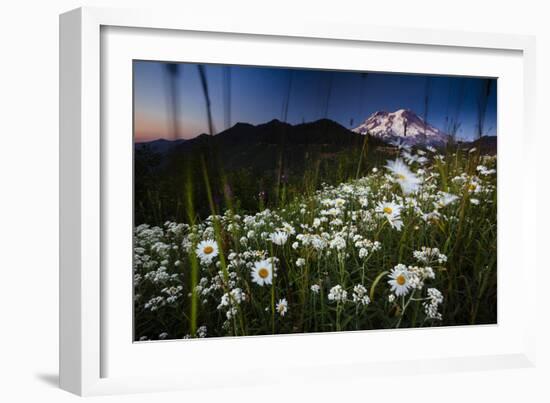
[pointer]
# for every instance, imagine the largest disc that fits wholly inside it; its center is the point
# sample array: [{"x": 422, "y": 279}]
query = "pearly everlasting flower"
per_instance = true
[
  {"x": 315, "y": 288},
  {"x": 337, "y": 294},
  {"x": 429, "y": 255},
  {"x": 431, "y": 306},
  {"x": 338, "y": 243},
  {"x": 232, "y": 298},
  {"x": 300, "y": 262},
  {"x": 360, "y": 295},
  {"x": 201, "y": 332}
]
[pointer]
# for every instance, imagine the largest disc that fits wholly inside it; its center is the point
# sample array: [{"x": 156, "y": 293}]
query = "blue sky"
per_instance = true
[{"x": 258, "y": 95}]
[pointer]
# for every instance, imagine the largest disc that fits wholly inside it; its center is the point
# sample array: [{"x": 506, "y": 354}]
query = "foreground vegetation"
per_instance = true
[{"x": 412, "y": 243}]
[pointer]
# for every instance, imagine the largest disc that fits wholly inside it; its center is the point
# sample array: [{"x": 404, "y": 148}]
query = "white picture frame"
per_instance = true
[{"x": 91, "y": 357}]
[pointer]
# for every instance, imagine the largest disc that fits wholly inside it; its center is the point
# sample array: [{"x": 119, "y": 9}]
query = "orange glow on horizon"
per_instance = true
[{"x": 149, "y": 128}]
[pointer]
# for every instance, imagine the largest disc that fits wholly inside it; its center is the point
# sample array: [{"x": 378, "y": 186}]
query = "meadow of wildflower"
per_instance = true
[{"x": 404, "y": 241}]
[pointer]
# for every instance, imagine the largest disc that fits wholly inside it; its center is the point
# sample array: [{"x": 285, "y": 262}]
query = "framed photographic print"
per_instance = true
[
  {"x": 285, "y": 193},
  {"x": 296, "y": 219}
]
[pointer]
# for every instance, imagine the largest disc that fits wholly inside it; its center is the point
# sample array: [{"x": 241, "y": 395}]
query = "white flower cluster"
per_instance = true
[
  {"x": 429, "y": 255},
  {"x": 360, "y": 295},
  {"x": 338, "y": 294},
  {"x": 155, "y": 303},
  {"x": 483, "y": 170},
  {"x": 365, "y": 246},
  {"x": 159, "y": 276},
  {"x": 173, "y": 293},
  {"x": 202, "y": 332},
  {"x": 431, "y": 306},
  {"x": 232, "y": 298}
]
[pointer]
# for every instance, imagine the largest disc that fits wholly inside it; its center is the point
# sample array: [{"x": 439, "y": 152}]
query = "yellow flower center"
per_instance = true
[
  {"x": 472, "y": 186},
  {"x": 208, "y": 249},
  {"x": 401, "y": 280},
  {"x": 388, "y": 210},
  {"x": 401, "y": 177},
  {"x": 263, "y": 272}
]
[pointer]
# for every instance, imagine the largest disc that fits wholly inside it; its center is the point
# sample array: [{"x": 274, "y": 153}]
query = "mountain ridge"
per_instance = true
[{"x": 382, "y": 127}]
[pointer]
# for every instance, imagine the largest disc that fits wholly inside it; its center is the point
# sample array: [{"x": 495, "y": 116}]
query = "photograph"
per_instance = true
[{"x": 272, "y": 200}]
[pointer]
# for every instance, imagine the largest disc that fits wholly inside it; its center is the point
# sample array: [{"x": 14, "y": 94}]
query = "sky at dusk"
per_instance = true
[{"x": 259, "y": 94}]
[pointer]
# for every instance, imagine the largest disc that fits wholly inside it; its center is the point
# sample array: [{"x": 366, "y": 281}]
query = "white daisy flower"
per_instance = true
[
  {"x": 474, "y": 187},
  {"x": 207, "y": 250},
  {"x": 262, "y": 272},
  {"x": 400, "y": 144},
  {"x": 412, "y": 158},
  {"x": 282, "y": 307},
  {"x": 289, "y": 229},
  {"x": 278, "y": 237},
  {"x": 408, "y": 181},
  {"x": 392, "y": 212},
  {"x": 445, "y": 199},
  {"x": 431, "y": 149},
  {"x": 400, "y": 280}
]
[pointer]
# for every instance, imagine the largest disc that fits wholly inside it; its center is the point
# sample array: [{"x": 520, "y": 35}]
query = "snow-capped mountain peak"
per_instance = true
[{"x": 402, "y": 124}]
